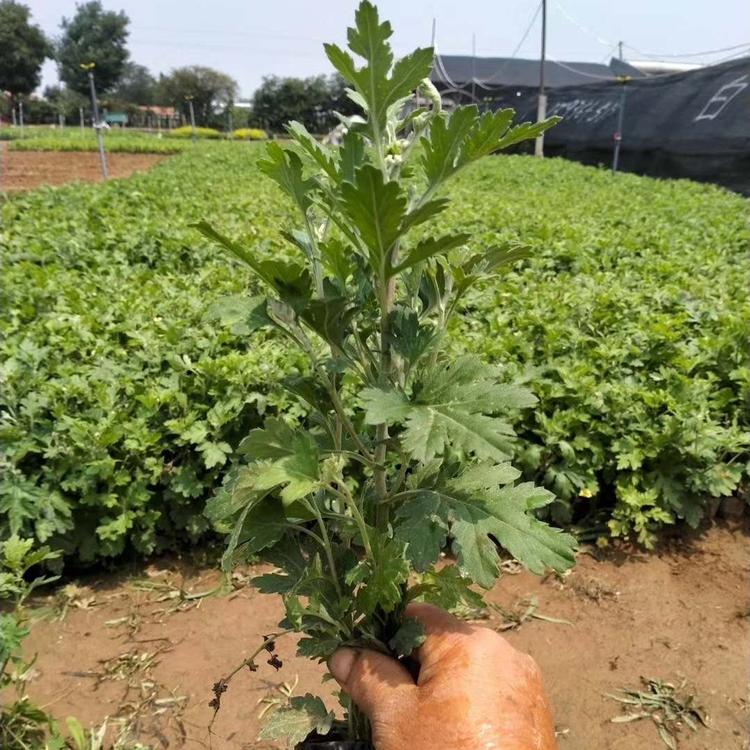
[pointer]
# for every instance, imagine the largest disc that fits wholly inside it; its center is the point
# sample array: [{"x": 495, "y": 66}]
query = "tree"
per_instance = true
[
  {"x": 23, "y": 48},
  {"x": 211, "y": 90},
  {"x": 96, "y": 36},
  {"x": 66, "y": 102},
  {"x": 311, "y": 101},
  {"x": 136, "y": 85}
]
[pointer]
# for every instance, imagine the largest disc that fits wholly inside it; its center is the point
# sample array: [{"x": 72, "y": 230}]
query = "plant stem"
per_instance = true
[
  {"x": 346, "y": 496},
  {"x": 326, "y": 545},
  {"x": 381, "y": 434},
  {"x": 341, "y": 413}
]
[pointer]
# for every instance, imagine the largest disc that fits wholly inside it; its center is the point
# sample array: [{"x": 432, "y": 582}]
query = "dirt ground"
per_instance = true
[
  {"x": 132, "y": 645},
  {"x": 25, "y": 170}
]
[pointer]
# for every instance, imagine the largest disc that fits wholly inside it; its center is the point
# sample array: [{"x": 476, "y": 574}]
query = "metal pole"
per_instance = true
[
  {"x": 473, "y": 67},
  {"x": 13, "y": 112},
  {"x": 541, "y": 113},
  {"x": 619, "y": 45},
  {"x": 192, "y": 116},
  {"x": 20, "y": 115},
  {"x": 623, "y": 81},
  {"x": 80, "y": 115},
  {"x": 98, "y": 126},
  {"x": 229, "y": 121}
]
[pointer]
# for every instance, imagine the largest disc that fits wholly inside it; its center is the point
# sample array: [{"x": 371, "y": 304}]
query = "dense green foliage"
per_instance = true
[
  {"x": 312, "y": 101},
  {"x": 24, "y": 48},
  {"x": 211, "y": 92},
  {"x": 115, "y": 141},
  {"x": 249, "y": 134},
  {"x": 634, "y": 314},
  {"x": 92, "y": 35},
  {"x": 186, "y": 131}
]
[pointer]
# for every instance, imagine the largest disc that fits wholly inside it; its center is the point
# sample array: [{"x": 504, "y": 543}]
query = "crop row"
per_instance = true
[{"x": 120, "y": 405}]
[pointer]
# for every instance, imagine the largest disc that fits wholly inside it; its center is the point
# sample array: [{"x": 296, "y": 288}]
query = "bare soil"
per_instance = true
[
  {"x": 132, "y": 645},
  {"x": 25, "y": 170}
]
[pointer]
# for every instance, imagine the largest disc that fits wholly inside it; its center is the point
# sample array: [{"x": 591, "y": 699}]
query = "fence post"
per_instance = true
[
  {"x": 97, "y": 124},
  {"x": 623, "y": 81},
  {"x": 192, "y": 117}
]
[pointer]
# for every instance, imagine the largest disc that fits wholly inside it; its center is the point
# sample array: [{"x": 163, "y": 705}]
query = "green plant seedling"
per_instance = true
[{"x": 407, "y": 449}]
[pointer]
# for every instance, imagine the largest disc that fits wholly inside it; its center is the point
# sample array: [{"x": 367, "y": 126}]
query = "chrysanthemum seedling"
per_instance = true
[{"x": 406, "y": 450}]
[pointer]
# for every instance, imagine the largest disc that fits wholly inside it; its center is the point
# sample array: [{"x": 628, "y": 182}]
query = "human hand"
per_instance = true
[{"x": 474, "y": 691}]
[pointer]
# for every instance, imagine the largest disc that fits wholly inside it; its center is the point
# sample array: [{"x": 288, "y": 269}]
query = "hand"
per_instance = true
[{"x": 474, "y": 692}]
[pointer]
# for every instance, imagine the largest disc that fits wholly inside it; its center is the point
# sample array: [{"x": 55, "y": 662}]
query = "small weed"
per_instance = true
[
  {"x": 523, "y": 611},
  {"x": 665, "y": 704}
]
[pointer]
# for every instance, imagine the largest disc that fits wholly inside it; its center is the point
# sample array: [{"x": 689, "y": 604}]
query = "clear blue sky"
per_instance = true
[{"x": 250, "y": 39}]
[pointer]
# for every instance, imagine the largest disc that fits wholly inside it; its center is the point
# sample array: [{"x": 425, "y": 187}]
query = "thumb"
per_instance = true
[{"x": 377, "y": 683}]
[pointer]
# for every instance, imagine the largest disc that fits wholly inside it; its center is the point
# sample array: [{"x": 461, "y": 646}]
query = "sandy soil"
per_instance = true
[
  {"x": 131, "y": 645},
  {"x": 25, "y": 170}
]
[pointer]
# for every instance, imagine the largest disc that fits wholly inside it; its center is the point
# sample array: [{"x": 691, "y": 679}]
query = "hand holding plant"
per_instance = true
[
  {"x": 474, "y": 691},
  {"x": 406, "y": 450}
]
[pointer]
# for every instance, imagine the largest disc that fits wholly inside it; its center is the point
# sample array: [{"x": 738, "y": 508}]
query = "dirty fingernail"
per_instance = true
[{"x": 341, "y": 663}]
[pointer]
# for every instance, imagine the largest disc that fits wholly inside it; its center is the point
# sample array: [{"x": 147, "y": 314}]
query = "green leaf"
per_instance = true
[
  {"x": 476, "y": 519},
  {"x": 14, "y": 551},
  {"x": 320, "y": 154},
  {"x": 447, "y": 588},
  {"x": 427, "y": 248},
  {"x": 410, "y": 636},
  {"x": 260, "y": 525},
  {"x": 317, "y": 647},
  {"x": 384, "y": 406},
  {"x": 485, "y": 134},
  {"x": 376, "y": 209},
  {"x": 294, "y": 459},
  {"x": 351, "y": 156},
  {"x": 484, "y": 477},
  {"x": 241, "y": 313},
  {"x": 376, "y": 91},
  {"x": 285, "y": 168},
  {"x": 450, "y": 408},
  {"x": 293, "y": 723},
  {"x": 440, "y": 148},
  {"x": 330, "y": 317},
  {"x": 380, "y": 574},
  {"x": 408, "y": 338},
  {"x": 214, "y": 454},
  {"x": 421, "y": 526},
  {"x": 424, "y": 212},
  {"x": 238, "y": 250},
  {"x": 526, "y": 131},
  {"x": 276, "y": 439}
]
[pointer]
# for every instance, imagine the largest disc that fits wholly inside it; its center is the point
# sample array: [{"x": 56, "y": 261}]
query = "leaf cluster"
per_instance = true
[{"x": 406, "y": 448}]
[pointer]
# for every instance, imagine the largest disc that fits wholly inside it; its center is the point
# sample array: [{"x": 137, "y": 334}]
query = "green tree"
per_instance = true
[
  {"x": 23, "y": 48},
  {"x": 96, "y": 36},
  {"x": 66, "y": 102},
  {"x": 311, "y": 101},
  {"x": 136, "y": 85},
  {"x": 211, "y": 90}
]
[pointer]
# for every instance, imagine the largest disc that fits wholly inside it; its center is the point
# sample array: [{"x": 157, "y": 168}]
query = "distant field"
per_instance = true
[{"x": 72, "y": 139}]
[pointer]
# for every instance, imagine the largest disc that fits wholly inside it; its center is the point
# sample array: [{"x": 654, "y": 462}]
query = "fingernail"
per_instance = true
[{"x": 341, "y": 663}]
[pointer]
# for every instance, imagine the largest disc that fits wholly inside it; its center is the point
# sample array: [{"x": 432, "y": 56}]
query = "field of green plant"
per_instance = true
[
  {"x": 116, "y": 141},
  {"x": 121, "y": 404}
]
